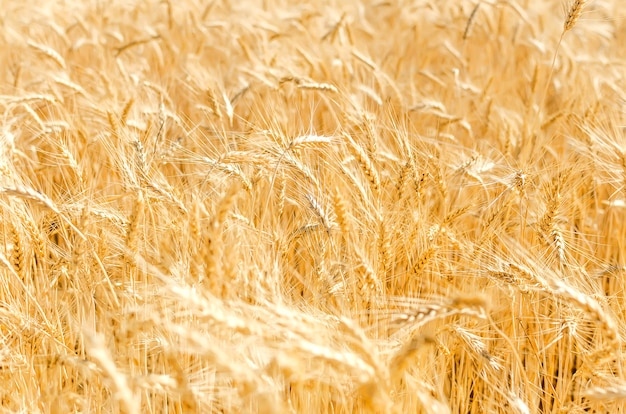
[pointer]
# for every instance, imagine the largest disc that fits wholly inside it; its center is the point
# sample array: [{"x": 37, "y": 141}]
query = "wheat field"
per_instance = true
[{"x": 357, "y": 206}]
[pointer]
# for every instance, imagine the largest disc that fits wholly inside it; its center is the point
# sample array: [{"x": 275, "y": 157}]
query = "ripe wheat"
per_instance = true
[{"x": 312, "y": 207}]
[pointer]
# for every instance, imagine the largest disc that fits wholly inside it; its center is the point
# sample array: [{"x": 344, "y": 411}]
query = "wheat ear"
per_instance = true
[
  {"x": 574, "y": 13},
  {"x": 365, "y": 162}
]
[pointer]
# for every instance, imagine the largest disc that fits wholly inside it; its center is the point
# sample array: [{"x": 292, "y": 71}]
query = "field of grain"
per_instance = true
[{"x": 332, "y": 206}]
